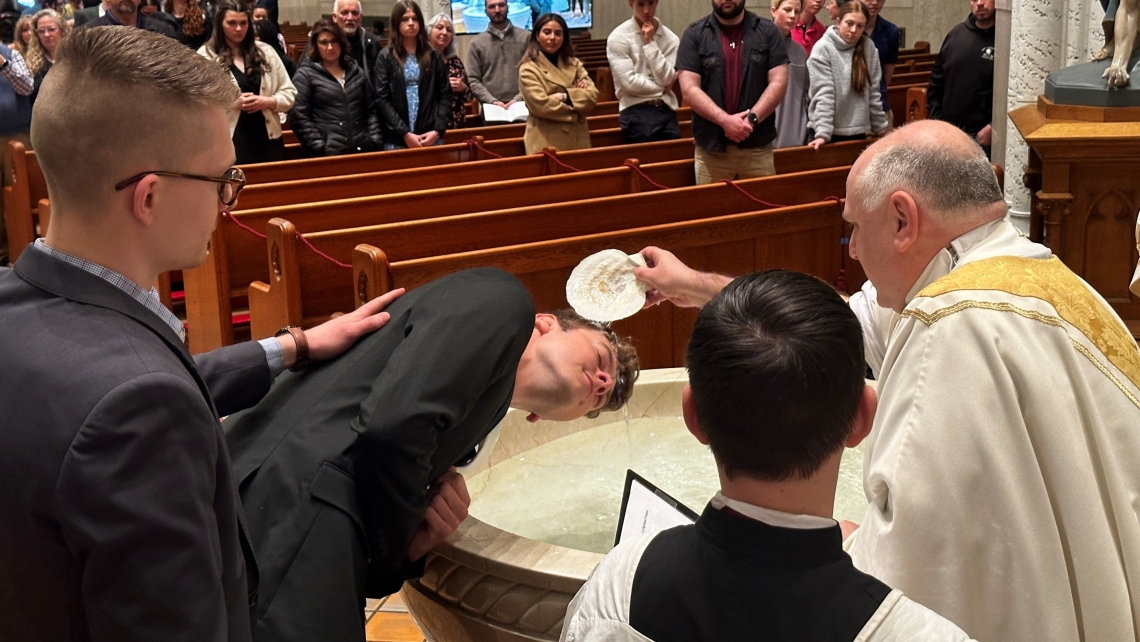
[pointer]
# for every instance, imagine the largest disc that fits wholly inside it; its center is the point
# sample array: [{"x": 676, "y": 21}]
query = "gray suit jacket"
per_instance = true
[
  {"x": 364, "y": 435},
  {"x": 119, "y": 518}
]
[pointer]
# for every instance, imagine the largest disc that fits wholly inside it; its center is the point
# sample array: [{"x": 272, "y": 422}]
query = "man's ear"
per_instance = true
[
  {"x": 904, "y": 218},
  {"x": 689, "y": 410},
  {"x": 544, "y": 323},
  {"x": 864, "y": 417},
  {"x": 142, "y": 200}
]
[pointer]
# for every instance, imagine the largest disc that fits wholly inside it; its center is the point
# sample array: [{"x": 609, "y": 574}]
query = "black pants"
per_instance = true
[{"x": 646, "y": 123}]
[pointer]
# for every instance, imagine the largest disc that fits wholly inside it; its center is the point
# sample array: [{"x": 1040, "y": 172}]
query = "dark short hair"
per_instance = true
[
  {"x": 776, "y": 370},
  {"x": 328, "y": 26},
  {"x": 628, "y": 365},
  {"x": 534, "y": 51}
]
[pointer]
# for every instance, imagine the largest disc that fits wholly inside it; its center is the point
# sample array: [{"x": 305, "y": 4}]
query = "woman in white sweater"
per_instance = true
[
  {"x": 844, "y": 76},
  {"x": 266, "y": 92}
]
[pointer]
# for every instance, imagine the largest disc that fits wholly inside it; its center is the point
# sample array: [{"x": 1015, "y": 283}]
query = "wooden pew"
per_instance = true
[
  {"x": 516, "y": 130},
  {"x": 803, "y": 238},
  {"x": 23, "y": 198},
  {"x": 916, "y": 78},
  {"x": 454, "y": 174},
  {"x": 306, "y": 288},
  {"x": 915, "y": 104},
  {"x": 896, "y": 98}
]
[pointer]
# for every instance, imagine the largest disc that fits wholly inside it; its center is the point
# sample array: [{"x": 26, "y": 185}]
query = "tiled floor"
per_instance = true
[{"x": 389, "y": 621}]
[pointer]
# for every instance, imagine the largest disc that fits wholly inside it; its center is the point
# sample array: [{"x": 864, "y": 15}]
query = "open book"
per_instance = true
[{"x": 495, "y": 114}]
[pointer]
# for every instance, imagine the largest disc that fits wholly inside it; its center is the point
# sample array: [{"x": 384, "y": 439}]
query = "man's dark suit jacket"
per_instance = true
[
  {"x": 144, "y": 22},
  {"x": 119, "y": 518},
  {"x": 334, "y": 464}
]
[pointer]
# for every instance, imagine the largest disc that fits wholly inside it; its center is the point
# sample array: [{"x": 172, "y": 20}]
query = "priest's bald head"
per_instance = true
[{"x": 909, "y": 195}]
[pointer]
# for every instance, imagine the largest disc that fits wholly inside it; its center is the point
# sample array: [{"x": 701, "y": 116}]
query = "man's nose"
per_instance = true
[{"x": 603, "y": 382}]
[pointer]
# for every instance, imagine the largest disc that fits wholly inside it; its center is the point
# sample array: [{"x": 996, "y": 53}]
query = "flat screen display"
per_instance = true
[{"x": 471, "y": 17}]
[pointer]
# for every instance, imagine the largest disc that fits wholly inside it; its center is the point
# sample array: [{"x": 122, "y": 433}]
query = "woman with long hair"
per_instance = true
[
  {"x": 194, "y": 28},
  {"x": 267, "y": 32},
  {"x": 441, "y": 36},
  {"x": 24, "y": 32},
  {"x": 266, "y": 91},
  {"x": 335, "y": 108},
  {"x": 844, "y": 78},
  {"x": 557, "y": 90},
  {"x": 50, "y": 29},
  {"x": 412, "y": 87},
  {"x": 791, "y": 113}
]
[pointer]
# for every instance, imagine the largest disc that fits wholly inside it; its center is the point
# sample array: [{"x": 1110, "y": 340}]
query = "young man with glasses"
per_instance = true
[{"x": 120, "y": 517}]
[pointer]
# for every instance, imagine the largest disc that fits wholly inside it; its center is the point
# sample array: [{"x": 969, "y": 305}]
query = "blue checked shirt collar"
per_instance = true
[{"x": 147, "y": 298}]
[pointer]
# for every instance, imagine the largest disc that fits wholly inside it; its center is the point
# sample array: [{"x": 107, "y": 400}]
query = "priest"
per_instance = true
[{"x": 1004, "y": 461}]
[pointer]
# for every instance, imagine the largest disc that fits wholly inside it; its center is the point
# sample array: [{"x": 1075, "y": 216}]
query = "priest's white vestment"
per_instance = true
[{"x": 1003, "y": 469}]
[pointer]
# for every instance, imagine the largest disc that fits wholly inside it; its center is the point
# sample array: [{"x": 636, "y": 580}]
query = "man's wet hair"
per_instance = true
[
  {"x": 628, "y": 366},
  {"x": 776, "y": 371}
]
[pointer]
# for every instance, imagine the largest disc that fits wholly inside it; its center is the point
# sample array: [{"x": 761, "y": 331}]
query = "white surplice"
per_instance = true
[{"x": 1003, "y": 469}]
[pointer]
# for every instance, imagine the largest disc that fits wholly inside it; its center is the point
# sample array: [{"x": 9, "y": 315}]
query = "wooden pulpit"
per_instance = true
[{"x": 1084, "y": 177}]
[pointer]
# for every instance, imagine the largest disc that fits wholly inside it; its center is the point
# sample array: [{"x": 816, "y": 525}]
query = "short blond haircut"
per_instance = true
[{"x": 121, "y": 100}]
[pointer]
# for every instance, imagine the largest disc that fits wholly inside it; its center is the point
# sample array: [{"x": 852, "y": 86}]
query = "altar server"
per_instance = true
[
  {"x": 776, "y": 390},
  {"x": 1004, "y": 462}
]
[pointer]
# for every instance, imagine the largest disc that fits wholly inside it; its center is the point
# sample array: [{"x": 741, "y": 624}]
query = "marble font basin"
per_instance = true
[{"x": 545, "y": 502}]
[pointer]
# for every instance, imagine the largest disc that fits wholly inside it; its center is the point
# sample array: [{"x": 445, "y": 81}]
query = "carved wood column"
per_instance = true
[{"x": 1054, "y": 208}]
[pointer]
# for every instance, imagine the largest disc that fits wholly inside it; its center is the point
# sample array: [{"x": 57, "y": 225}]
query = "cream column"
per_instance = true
[{"x": 1043, "y": 36}]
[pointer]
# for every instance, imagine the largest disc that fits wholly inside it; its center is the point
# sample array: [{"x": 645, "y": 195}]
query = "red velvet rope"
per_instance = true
[
  {"x": 559, "y": 161},
  {"x": 646, "y": 177},
  {"x": 229, "y": 215},
  {"x": 473, "y": 145}
]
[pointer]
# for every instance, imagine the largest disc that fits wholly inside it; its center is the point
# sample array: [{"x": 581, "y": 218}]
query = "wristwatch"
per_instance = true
[
  {"x": 302, "y": 342},
  {"x": 753, "y": 118}
]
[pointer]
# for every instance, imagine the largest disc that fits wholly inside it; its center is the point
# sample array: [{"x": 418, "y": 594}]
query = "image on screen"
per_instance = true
[{"x": 471, "y": 17}]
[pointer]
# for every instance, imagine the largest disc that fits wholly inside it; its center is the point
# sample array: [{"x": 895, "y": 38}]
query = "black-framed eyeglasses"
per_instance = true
[{"x": 230, "y": 184}]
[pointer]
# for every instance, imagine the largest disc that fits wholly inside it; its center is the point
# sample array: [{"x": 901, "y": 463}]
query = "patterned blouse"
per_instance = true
[{"x": 458, "y": 118}]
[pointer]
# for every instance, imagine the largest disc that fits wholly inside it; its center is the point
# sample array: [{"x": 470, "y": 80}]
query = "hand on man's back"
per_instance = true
[{"x": 333, "y": 337}]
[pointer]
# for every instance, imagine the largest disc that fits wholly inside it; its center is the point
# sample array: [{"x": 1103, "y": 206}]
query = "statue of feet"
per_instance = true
[
  {"x": 1117, "y": 76},
  {"x": 1106, "y": 51}
]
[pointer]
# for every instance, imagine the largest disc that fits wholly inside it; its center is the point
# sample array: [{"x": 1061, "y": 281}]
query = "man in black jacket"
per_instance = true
[
  {"x": 733, "y": 69},
  {"x": 961, "y": 90},
  {"x": 119, "y": 519},
  {"x": 345, "y": 470}
]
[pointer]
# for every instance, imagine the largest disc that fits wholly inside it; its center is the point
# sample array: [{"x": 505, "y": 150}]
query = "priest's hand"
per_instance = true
[
  {"x": 668, "y": 279},
  {"x": 333, "y": 337},
  {"x": 447, "y": 508}
]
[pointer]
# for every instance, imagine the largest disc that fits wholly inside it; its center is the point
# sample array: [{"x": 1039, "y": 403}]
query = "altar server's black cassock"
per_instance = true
[{"x": 334, "y": 464}]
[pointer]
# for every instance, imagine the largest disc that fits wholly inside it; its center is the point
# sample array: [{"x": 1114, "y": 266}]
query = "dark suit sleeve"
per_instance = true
[
  {"x": 470, "y": 335},
  {"x": 135, "y": 499},
  {"x": 237, "y": 376}
]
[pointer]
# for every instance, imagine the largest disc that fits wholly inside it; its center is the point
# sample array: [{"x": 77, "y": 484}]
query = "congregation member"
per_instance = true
[
  {"x": 791, "y": 113},
  {"x": 16, "y": 86},
  {"x": 776, "y": 391},
  {"x": 126, "y": 13},
  {"x": 844, "y": 79},
  {"x": 413, "y": 91},
  {"x": 193, "y": 27},
  {"x": 90, "y": 13},
  {"x": 334, "y": 112},
  {"x": 809, "y": 29},
  {"x": 961, "y": 90},
  {"x": 120, "y": 519},
  {"x": 267, "y": 32},
  {"x": 493, "y": 58},
  {"x": 349, "y": 14},
  {"x": 885, "y": 34},
  {"x": 733, "y": 70},
  {"x": 1000, "y": 470},
  {"x": 347, "y": 471},
  {"x": 271, "y": 10},
  {"x": 832, "y": 7},
  {"x": 23, "y": 35},
  {"x": 51, "y": 28},
  {"x": 558, "y": 91},
  {"x": 70, "y": 8},
  {"x": 642, "y": 53},
  {"x": 266, "y": 92},
  {"x": 441, "y": 36}
]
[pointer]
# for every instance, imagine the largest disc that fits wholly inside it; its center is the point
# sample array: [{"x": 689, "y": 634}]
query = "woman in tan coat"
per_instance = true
[{"x": 557, "y": 90}]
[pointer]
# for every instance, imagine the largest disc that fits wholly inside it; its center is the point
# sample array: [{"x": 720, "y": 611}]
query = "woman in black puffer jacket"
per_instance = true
[{"x": 334, "y": 112}]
